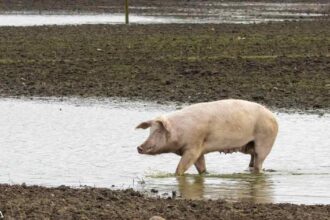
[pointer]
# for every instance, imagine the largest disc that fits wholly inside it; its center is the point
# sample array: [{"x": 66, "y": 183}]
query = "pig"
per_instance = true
[{"x": 224, "y": 126}]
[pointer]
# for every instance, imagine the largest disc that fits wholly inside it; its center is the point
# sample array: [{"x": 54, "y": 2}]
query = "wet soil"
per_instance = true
[
  {"x": 284, "y": 65},
  {"x": 35, "y": 202},
  {"x": 203, "y": 8}
]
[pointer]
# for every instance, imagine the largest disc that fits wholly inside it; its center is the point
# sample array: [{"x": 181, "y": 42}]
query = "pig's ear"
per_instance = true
[
  {"x": 164, "y": 122},
  {"x": 144, "y": 125}
]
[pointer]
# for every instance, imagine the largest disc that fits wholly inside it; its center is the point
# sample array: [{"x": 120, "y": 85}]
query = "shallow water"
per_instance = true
[
  {"x": 88, "y": 142},
  {"x": 38, "y": 20},
  {"x": 199, "y": 12}
]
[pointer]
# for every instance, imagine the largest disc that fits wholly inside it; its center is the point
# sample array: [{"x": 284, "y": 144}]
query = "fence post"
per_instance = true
[{"x": 126, "y": 12}]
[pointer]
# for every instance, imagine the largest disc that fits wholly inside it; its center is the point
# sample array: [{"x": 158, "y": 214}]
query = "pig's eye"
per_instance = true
[{"x": 157, "y": 129}]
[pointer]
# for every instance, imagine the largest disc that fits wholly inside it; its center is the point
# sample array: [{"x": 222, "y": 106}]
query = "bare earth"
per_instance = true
[
  {"x": 283, "y": 65},
  {"x": 22, "y": 202}
]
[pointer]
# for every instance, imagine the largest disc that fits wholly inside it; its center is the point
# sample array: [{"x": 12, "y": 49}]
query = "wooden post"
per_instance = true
[{"x": 126, "y": 12}]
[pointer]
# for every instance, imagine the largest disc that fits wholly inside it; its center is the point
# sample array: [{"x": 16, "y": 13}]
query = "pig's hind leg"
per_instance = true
[
  {"x": 265, "y": 135},
  {"x": 249, "y": 149},
  {"x": 263, "y": 147}
]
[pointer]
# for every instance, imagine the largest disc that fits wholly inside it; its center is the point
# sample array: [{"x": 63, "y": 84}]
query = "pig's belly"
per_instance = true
[{"x": 226, "y": 144}]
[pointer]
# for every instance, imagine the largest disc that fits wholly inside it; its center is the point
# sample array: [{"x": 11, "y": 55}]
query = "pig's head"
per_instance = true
[{"x": 160, "y": 138}]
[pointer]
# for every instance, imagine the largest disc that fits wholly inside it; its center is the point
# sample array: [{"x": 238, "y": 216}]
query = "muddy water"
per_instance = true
[
  {"x": 202, "y": 12},
  {"x": 87, "y": 142}
]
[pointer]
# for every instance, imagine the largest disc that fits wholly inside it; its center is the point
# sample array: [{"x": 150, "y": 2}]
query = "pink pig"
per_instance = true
[{"x": 224, "y": 126}]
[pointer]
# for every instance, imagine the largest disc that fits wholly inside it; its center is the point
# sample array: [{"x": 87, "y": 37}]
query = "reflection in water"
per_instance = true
[
  {"x": 259, "y": 188},
  {"x": 244, "y": 187},
  {"x": 191, "y": 189},
  {"x": 245, "y": 13}
]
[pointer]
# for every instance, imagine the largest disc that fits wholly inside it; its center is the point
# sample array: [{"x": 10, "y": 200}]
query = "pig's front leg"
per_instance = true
[
  {"x": 200, "y": 164},
  {"x": 188, "y": 158}
]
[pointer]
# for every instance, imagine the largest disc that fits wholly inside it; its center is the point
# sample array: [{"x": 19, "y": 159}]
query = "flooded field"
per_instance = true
[
  {"x": 197, "y": 12},
  {"x": 78, "y": 142},
  {"x": 37, "y": 20}
]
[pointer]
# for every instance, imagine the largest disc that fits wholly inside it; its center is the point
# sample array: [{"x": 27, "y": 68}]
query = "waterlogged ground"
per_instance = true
[
  {"x": 76, "y": 142},
  {"x": 62, "y": 13},
  {"x": 31, "y": 19}
]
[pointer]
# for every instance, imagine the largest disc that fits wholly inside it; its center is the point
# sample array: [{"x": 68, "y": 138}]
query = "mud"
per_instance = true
[
  {"x": 171, "y": 7},
  {"x": 283, "y": 65},
  {"x": 35, "y": 202}
]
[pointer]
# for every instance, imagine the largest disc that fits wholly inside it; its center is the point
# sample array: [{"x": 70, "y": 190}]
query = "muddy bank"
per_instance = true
[
  {"x": 284, "y": 65},
  {"x": 26, "y": 202}
]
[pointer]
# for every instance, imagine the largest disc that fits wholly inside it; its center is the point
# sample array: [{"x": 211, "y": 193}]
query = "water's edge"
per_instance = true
[{"x": 88, "y": 142}]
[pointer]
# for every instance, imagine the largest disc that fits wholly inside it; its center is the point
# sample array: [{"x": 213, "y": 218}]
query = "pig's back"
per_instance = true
[
  {"x": 229, "y": 122},
  {"x": 228, "y": 108}
]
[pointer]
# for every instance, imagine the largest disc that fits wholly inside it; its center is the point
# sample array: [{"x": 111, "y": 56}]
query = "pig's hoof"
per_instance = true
[
  {"x": 256, "y": 171},
  {"x": 179, "y": 174},
  {"x": 204, "y": 173}
]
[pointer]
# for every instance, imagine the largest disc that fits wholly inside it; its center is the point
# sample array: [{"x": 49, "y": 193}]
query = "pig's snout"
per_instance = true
[{"x": 140, "y": 150}]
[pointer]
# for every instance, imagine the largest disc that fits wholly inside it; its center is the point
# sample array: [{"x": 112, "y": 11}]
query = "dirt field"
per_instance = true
[
  {"x": 22, "y": 202},
  {"x": 285, "y": 65}
]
